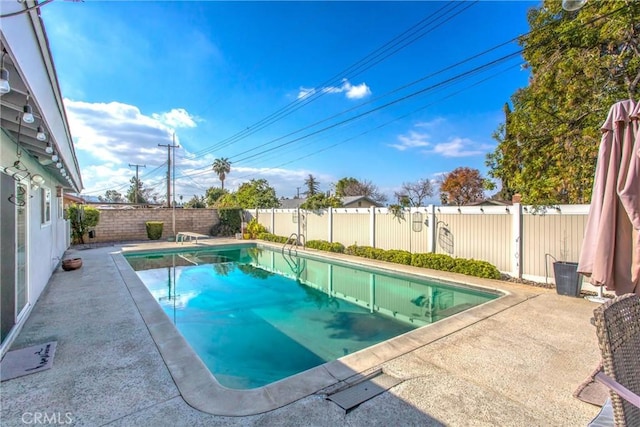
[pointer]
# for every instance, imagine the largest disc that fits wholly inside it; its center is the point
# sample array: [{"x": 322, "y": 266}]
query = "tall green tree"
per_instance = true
[
  {"x": 196, "y": 203},
  {"x": 221, "y": 167},
  {"x": 213, "y": 194},
  {"x": 111, "y": 196},
  {"x": 580, "y": 63},
  {"x": 137, "y": 193},
  {"x": 256, "y": 193},
  {"x": 312, "y": 186}
]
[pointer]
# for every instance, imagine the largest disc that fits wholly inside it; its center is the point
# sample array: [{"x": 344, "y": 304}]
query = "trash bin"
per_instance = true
[{"x": 568, "y": 280}]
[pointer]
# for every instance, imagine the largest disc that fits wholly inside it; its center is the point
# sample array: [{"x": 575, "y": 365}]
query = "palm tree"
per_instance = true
[{"x": 221, "y": 167}]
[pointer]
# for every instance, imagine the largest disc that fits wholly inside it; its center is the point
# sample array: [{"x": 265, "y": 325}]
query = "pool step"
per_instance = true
[{"x": 358, "y": 393}]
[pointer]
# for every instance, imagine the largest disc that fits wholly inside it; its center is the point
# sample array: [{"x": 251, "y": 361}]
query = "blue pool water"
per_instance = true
[{"x": 255, "y": 316}]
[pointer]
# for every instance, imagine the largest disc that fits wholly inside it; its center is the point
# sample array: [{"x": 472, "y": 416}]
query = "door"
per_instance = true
[{"x": 13, "y": 252}]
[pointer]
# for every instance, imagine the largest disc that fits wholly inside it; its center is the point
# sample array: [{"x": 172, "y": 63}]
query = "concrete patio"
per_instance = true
[{"x": 515, "y": 365}]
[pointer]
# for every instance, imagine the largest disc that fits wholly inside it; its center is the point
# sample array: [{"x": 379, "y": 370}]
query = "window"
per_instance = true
[{"x": 45, "y": 205}]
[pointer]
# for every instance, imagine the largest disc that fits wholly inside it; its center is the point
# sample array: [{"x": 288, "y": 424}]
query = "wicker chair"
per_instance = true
[{"x": 618, "y": 328}]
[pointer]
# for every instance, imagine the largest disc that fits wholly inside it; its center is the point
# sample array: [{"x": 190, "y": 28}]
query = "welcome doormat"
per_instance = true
[{"x": 28, "y": 360}]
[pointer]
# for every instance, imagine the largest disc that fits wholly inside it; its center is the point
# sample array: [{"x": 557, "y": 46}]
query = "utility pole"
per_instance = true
[
  {"x": 137, "y": 193},
  {"x": 169, "y": 147}
]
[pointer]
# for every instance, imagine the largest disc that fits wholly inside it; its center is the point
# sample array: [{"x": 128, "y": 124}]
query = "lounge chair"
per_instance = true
[{"x": 618, "y": 328}]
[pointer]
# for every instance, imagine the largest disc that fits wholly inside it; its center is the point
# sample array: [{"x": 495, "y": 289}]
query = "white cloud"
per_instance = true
[
  {"x": 412, "y": 140},
  {"x": 459, "y": 147},
  {"x": 305, "y": 92},
  {"x": 351, "y": 92},
  {"x": 110, "y": 136},
  {"x": 358, "y": 91},
  {"x": 432, "y": 124},
  {"x": 176, "y": 118}
]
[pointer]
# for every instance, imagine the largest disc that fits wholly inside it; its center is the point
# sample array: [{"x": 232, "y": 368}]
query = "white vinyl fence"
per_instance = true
[{"x": 518, "y": 240}]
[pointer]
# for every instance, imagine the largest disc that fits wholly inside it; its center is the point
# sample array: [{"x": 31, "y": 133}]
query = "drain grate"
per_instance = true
[{"x": 353, "y": 396}]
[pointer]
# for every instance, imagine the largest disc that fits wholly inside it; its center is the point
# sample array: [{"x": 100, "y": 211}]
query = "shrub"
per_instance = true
[
  {"x": 82, "y": 218},
  {"x": 323, "y": 245},
  {"x": 254, "y": 228},
  {"x": 476, "y": 268},
  {"x": 440, "y": 262},
  {"x": 154, "y": 229},
  {"x": 230, "y": 222},
  {"x": 273, "y": 238}
]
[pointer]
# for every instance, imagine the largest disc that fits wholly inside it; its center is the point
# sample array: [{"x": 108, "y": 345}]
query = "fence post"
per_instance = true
[
  {"x": 273, "y": 220},
  {"x": 431, "y": 212},
  {"x": 516, "y": 242},
  {"x": 330, "y": 225},
  {"x": 372, "y": 227}
]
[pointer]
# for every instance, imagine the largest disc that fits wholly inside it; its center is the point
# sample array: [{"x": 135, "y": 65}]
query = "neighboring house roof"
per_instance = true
[
  {"x": 74, "y": 199},
  {"x": 291, "y": 203},
  {"x": 490, "y": 202},
  {"x": 346, "y": 201},
  {"x": 350, "y": 200}
]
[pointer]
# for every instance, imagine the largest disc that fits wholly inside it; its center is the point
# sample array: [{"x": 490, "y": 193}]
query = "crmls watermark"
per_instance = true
[{"x": 39, "y": 418}]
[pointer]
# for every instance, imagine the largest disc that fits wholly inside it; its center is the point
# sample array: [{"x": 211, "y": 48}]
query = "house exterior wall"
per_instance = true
[{"x": 46, "y": 242}]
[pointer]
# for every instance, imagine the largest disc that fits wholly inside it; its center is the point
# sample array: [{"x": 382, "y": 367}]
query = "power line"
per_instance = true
[
  {"x": 360, "y": 66},
  {"x": 421, "y": 91}
]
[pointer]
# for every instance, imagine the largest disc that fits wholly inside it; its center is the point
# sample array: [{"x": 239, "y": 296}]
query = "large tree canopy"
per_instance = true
[
  {"x": 461, "y": 186},
  {"x": 581, "y": 63},
  {"x": 256, "y": 193}
]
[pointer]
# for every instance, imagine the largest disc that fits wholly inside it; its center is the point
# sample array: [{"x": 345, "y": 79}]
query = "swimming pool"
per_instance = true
[{"x": 255, "y": 315}]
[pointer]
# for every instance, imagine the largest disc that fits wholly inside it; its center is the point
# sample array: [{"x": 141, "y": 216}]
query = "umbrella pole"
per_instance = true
[{"x": 599, "y": 299}]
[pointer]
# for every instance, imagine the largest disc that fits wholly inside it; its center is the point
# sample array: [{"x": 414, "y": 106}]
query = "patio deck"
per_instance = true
[{"x": 517, "y": 366}]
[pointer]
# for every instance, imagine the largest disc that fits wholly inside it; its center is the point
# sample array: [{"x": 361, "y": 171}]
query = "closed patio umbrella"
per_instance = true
[{"x": 610, "y": 253}]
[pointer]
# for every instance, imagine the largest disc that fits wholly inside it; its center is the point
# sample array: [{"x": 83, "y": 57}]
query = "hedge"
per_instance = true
[
  {"x": 442, "y": 262},
  {"x": 323, "y": 245}
]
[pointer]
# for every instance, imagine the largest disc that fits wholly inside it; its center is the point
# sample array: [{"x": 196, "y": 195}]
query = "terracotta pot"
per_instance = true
[{"x": 71, "y": 264}]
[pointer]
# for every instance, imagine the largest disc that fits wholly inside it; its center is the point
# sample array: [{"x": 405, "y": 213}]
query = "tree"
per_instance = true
[
  {"x": 312, "y": 186},
  {"x": 111, "y": 196},
  {"x": 346, "y": 187},
  {"x": 213, "y": 194},
  {"x": 581, "y": 63},
  {"x": 196, "y": 203},
  {"x": 256, "y": 193},
  {"x": 137, "y": 193},
  {"x": 221, "y": 167},
  {"x": 321, "y": 201},
  {"x": 414, "y": 193},
  {"x": 461, "y": 186},
  {"x": 82, "y": 218}
]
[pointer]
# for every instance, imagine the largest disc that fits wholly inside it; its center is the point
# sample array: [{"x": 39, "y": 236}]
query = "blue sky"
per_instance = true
[{"x": 354, "y": 94}]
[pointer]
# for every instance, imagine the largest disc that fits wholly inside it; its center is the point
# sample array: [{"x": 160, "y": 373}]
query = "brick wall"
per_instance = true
[{"x": 117, "y": 225}]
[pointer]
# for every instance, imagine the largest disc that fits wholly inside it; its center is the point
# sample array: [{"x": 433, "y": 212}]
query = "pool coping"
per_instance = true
[{"x": 200, "y": 389}]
